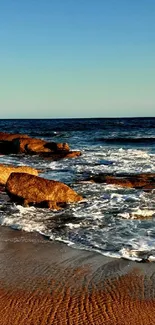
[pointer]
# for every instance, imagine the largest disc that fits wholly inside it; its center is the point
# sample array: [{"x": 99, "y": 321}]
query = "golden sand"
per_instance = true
[
  {"x": 50, "y": 284},
  {"x": 119, "y": 301}
]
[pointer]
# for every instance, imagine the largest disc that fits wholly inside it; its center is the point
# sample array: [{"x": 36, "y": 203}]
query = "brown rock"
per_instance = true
[
  {"x": 29, "y": 189},
  {"x": 29, "y": 145},
  {"x": 6, "y": 146},
  {"x": 9, "y": 137},
  {"x": 56, "y": 147},
  {"x": 33, "y": 146},
  {"x": 73, "y": 154},
  {"x": 144, "y": 181},
  {"x": 38, "y": 146},
  {"x": 18, "y": 143},
  {"x": 59, "y": 155},
  {"x": 6, "y": 170},
  {"x": 41, "y": 146}
]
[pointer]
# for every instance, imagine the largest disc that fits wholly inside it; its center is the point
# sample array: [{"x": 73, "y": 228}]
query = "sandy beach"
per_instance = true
[{"x": 49, "y": 283}]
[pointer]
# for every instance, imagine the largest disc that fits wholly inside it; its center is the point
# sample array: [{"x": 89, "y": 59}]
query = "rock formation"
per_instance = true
[
  {"x": 142, "y": 181},
  {"x": 33, "y": 190},
  {"x": 19, "y": 143},
  {"x": 10, "y": 136},
  {"x": 6, "y": 170}
]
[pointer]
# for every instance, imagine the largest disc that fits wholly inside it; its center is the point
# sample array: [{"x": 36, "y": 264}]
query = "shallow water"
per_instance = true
[{"x": 106, "y": 220}]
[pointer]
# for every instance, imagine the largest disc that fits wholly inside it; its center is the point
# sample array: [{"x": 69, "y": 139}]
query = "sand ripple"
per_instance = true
[{"x": 50, "y": 284}]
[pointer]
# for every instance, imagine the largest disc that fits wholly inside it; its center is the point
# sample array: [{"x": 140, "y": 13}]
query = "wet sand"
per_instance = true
[{"x": 44, "y": 283}]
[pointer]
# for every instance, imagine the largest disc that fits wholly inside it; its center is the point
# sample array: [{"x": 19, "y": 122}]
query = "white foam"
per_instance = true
[
  {"x": 73, "y": 226},
  {"x": 54, "y": 165},
  {"x": 23, "y": 219},
  {"x": 125, "y": 215},
  {"x": 151, "y": 258},
  {"x": 132, "y": 254},
  {"x": 143, "y": 213},
  {"x": 137, "y": 214},
  {"x": 57, "y": 238}
]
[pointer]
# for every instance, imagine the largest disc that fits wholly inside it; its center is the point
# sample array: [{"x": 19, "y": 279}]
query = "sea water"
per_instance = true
[{"x": 106, "y": 220}]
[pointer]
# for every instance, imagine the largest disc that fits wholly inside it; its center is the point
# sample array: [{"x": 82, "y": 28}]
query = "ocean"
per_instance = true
[{"x": 105, "y": 220}]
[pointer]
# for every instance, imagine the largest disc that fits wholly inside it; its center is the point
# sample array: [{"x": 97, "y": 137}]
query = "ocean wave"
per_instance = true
[{"x": 108, "y": 221}]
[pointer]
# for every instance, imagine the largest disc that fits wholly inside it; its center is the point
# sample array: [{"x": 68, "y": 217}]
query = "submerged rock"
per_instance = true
[
  {"x": 6, "y": 170},
  {"x": 59, "y": 155},
  {"x": 33, "y": 190},
  {"x": 142, "y": 181}
]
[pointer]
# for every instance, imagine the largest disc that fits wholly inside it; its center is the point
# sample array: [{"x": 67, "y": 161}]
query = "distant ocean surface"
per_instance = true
[{"x": 102, "y": 222}]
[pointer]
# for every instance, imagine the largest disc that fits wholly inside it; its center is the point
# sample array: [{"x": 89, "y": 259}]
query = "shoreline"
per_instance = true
[{"x": 49, "y": 283}]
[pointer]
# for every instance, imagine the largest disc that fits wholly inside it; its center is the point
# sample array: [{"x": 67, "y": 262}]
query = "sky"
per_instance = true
[{"x": 77, "y": 58}]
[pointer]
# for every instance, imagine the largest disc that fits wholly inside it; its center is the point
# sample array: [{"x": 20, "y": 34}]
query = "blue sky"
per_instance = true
[{"x": 69, "y": 58}]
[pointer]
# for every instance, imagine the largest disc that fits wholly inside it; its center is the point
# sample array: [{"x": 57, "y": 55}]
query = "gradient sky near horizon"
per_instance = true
[{"x": 77, "y": 58}]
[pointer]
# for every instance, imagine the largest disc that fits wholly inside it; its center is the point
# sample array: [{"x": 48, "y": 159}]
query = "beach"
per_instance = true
[
  {"x": 45, "y": 282},
  {"x": 114, "y": 174},
  {"x": 77, "y": 162},
  {"x": 91, "y": 262}
]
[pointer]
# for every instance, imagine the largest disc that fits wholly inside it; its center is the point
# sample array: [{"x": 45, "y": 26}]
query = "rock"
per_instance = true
[
  {"x": 38, "y": 146},
  {"x": 5, "y": 147},
  {"x": 73, "y": 154},
  {"x": 142, "y": 181},
  {"x": 59, "y": 155},
  {"x": 56, "y": 147},
  {"x": 29, "y": 145},
  {"x": 6, "y": 170},
  {"x": 23, "y": 144},
  {"x": 9, "y": 137},
  {"x": 51, "y": 147},
  {"x": 6, "y": 139},
  {"x": 29, "y": 189}
]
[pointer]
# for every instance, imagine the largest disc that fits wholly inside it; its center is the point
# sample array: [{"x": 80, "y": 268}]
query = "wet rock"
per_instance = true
[
  {"x": 19, "y": 144},
  {"x": 33, "y": 190},
  {"x": 56, "y": 147},
  {"x": 5, "y": 147},
  {"x": 9, "y": 136},
  {"x": 142, "y": 181},
  {"x": 73, "y": 154},
  {"x": 29, "y": 146},
  {"x": 59, "y": 155},
  {"x": 6, "y": 144},
  {"x": 6, "y": 170}
]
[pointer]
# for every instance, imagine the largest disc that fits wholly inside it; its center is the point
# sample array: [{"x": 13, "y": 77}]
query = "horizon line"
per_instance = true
[{"x": 75, "y": 118}]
